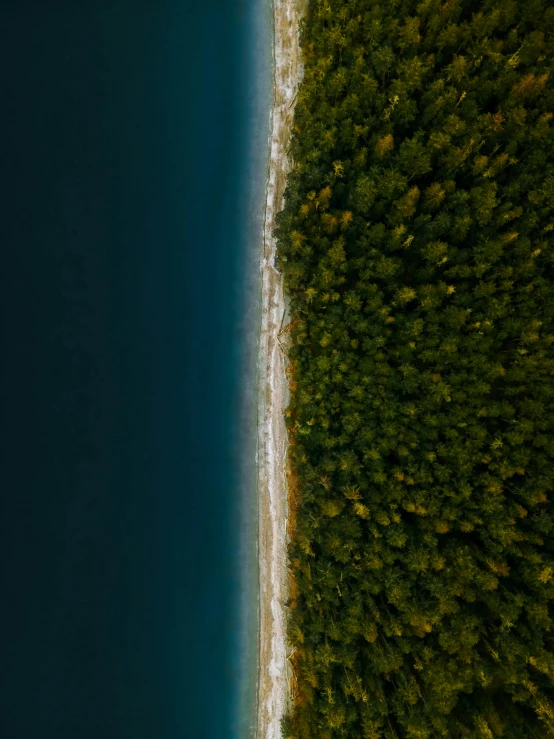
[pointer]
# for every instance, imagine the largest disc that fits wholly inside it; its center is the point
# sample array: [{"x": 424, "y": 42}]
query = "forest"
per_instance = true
[{"x": 416, "y": 245}]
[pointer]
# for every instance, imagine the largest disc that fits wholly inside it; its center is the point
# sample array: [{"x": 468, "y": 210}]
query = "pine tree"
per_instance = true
[{"x": 416, "y": 244}]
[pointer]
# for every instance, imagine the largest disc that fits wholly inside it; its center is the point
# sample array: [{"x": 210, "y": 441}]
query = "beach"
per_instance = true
[{"x": 274, "y": 671}]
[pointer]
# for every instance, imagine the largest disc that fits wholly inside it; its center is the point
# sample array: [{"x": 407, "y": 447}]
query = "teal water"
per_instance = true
[{"x": 134, "y": 143}]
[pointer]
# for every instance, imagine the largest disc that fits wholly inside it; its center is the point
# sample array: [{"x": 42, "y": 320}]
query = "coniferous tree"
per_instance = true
[{"x": 417, "y": 248}]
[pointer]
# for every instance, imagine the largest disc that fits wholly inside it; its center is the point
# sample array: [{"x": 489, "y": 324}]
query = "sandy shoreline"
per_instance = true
[{"x": 273, "y": 679}]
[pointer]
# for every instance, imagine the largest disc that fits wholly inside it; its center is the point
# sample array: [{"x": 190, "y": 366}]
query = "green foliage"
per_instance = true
[{"x": 416, "y": 244}]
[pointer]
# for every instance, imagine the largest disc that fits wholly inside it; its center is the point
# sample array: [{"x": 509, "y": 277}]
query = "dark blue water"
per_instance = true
[{"x": 127, "y": 135}]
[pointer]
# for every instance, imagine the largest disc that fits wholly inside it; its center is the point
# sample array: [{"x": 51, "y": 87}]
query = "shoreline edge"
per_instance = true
[{"x": 273, "y": 667}]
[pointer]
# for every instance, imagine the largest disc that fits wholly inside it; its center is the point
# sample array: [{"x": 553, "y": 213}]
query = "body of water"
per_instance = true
[{"x": 134, "y": 141}]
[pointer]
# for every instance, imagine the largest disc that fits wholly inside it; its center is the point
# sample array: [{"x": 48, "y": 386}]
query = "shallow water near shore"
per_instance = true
[{"x": 133, "y": 192}]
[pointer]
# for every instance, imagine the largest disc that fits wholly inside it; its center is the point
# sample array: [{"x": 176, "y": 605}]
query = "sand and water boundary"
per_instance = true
[{"x": 274, "y": 670}]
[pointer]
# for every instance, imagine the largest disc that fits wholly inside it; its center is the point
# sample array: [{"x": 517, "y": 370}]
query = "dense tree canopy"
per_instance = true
[{"x": 417, "y": 248}]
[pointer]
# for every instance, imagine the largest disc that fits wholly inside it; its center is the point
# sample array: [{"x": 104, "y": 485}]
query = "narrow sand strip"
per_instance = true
[{"x": 273, "y": 689}]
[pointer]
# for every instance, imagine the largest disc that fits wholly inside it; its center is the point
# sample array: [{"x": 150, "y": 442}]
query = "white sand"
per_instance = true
[{"x": 274, "y": 674}]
